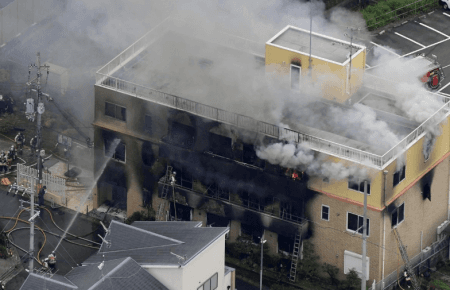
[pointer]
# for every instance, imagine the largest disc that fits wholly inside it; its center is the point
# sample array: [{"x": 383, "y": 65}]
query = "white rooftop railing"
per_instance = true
[{"x": 104, "y": 78}]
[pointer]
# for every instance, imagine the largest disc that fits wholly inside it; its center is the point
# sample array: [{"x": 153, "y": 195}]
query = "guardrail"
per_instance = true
[{"x": 419, "y": 6}]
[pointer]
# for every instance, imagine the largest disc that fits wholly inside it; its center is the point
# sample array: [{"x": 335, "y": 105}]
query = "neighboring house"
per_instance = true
[
  {"x": 174, "y": 124},
  {"x": 116, "y": 274},
  {"x": 180, "y": 255}
]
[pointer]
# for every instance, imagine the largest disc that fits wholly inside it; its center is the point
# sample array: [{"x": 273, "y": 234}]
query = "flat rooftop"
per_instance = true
[
  {"x": 324, "y": 47},
  {"x": 217, "y": 81}
]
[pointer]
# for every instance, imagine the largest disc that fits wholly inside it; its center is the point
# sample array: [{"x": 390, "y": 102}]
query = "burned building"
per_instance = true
[{"x": 197, "y": 106}]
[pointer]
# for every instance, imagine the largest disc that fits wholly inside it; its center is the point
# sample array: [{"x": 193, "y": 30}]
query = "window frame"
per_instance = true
[
  {"x": 299, "y": 75},
  {"x": 321, "y": 212},
  {"x": 357, "y": 226},
  {"x": 105, "y": 140},
  {"x": 201, "y": 287},
  {"x": 115, "y": 111},
  {"x": 359, "y": 184},
  {"x": 403, "y": 171},
  {"x": 397, "y": 211}
]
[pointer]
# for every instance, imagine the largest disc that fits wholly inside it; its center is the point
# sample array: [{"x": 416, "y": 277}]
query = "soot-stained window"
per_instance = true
[
  {"x": 220, "y": 145},
  {"x": 399, "y": 175},
  {"x": 358, "y": 184},
  {"x": 398, "y": 215},
  {"x": 355, "y": 223},
  {"x": 249, "y": 155},
  {"x": 115, "y": 111},
  {"x": 182, "y": 135},
  {"x": 147, "y": 154},
  {"x": 119, "y": 153},
  {"x": 295, "y": 77}
]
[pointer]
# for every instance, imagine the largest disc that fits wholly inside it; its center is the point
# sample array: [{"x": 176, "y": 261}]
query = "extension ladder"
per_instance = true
[
  {"x": 409, "y": 270},
  {"x": 295, "y": 254}
]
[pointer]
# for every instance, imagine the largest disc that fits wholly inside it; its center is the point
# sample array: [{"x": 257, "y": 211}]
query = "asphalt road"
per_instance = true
[
  {"x": 428, "y": 34},
  {"x": 68, "y": 255}
]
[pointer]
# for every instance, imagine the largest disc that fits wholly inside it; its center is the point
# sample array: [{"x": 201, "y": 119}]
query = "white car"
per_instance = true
[{"x": 445, "y": 4}]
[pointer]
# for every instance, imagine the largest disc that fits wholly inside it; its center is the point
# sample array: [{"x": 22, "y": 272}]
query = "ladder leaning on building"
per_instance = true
[
  {"x": 405, "y": 258},
  {"x": 296, "y": 253}
]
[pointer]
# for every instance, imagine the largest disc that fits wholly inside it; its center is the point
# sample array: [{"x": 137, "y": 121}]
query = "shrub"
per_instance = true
[
  {"x": 3, "y": 252},
  {"x": 332, "y": 271},
  {"x": 352, "y": 281}
]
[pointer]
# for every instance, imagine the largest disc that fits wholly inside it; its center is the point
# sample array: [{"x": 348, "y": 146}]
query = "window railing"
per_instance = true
[{"x": 225, "y": 195}]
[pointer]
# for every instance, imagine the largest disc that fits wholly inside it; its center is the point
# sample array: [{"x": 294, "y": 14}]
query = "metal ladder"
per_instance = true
[
  {"x": 295, "y": 254},
  {"x": 164, "y": 193},
  {"x": 409, "y": 270}
]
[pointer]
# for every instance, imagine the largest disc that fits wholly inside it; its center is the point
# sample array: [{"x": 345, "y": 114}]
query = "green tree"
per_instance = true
[
  {"x": 309, "y": 267},
  {"x": 352, "y": 281},
  {"x": 144, "y": 215},
  {"x": 332, "y": 271}
]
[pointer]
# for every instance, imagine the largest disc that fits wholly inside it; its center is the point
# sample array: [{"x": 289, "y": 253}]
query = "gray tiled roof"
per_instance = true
[
  {"x": 194, "y": 240},
  {"x": 115, "y": 275},
  {"x": 38, "y": 281},
  {"x": 127, "y": 237}
]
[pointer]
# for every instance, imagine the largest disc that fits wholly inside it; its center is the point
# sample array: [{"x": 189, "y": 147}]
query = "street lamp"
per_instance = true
[{"x": 262, "y": 241}]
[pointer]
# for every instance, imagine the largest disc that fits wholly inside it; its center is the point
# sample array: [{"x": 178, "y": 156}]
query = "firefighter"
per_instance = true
[
  {"x": 407, "y": 279},
  {"x": 33, "y": 144},
  {"x": 3, "y": 160},
  {"x": 9, "y": 159},
  {"x": 50, "y": 262},
  {"x": 172, "y": 178},
  {"x": 20, "y": 139},
  {"x": 41, "y": 198},
  {"x": 13, "y": 152}
]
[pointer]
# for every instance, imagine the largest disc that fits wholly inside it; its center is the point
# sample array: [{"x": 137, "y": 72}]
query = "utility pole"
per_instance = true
[
  {"x": 262, "y": 241},
  {"x": 36, "y": 87},
  {"x": 310, "y": 42},
  {"x": 364, "y": 245},
  {"x": 351, "y": 54}
]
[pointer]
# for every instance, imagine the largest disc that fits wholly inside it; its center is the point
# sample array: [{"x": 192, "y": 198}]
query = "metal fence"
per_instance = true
[
  {"x": 28, "y": 176},
  {"x": 414, "y": 8},
  {"x": 18, "y": 15},
  {"x": 438, "y": 251}
]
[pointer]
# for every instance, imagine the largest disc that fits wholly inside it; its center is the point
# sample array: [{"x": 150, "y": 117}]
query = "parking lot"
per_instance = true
[{"x": 428, "y": 34}]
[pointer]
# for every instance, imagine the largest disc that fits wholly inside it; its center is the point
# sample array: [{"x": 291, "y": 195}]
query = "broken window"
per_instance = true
[
  {"x": 249, "y": 155},
  {"x": 325, "y": 212},
  {"x": 254, "y": 233},
  {"x": 358, "y": 184},
  {"x": 181, "y": 135},
  {"x": 355, "y": 223},
  {"x": 119, "y": 153},
  {"x": 398, "y": 215},
  {"x": 295, "y": 77},
  {"x": 220, "y": 145},
  {"x": 115, "y": 111},
  {"x": 285, "y": 244},
  {"x": 183, "y": 176},
  {"x": 399, "y": 175}
]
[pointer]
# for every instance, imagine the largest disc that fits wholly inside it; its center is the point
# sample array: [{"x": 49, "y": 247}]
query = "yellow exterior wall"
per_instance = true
[
  {"x": 331, "y": 76},
  {"x": 416, "y": 166}
]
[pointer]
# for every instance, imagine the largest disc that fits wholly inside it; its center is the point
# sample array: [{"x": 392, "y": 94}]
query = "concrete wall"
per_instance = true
[
  {"x": 335, "y": 85},
  {"x": 420, "y": 216},
  {"x": 200, "y": 215},
  {"x": 272, "y": 241},
  {"x": 205, "y": 265},
  {"x": 331, "y": 238},
  {"x": 172, "y": 278},
  {"x": 235, "y": 230}
]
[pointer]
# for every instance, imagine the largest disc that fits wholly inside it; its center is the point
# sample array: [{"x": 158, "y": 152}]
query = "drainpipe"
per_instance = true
[{"x": 384, "y": 228}]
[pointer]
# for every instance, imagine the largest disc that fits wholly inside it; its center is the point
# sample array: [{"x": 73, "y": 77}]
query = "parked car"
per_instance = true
[{"x": 445, "y": 4}]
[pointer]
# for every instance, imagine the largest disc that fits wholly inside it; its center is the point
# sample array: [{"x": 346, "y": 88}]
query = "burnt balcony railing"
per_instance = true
[{"x": 221, "y": 194}]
